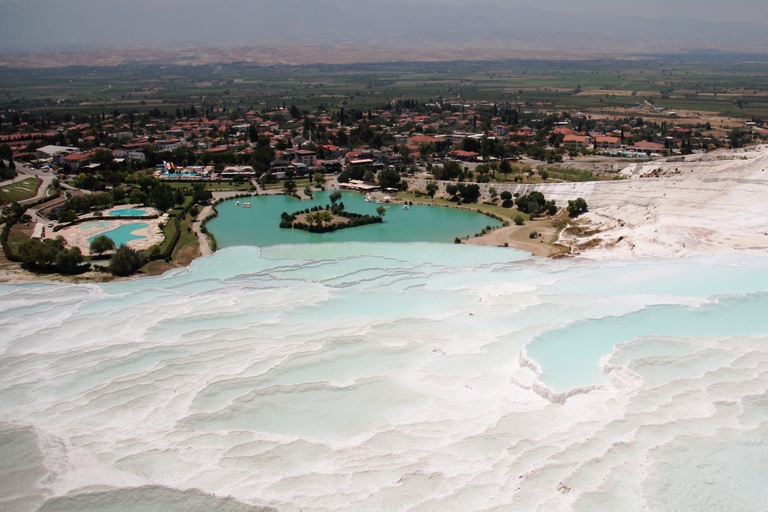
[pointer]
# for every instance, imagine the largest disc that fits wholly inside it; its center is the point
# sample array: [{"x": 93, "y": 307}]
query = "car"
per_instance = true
[{"x": 50, "y": 224}]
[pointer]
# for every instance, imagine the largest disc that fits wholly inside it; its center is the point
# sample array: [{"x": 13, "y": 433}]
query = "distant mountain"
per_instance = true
[{"x": 54, "y": 25}]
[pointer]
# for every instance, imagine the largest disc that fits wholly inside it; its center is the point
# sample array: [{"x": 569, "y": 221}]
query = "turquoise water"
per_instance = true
[
  {"x": 122, "y": 235},
  {"x": 101, "y": 224},
  {"x": 128, "y": 212},
  {"x": 389, "y": 375},
  {"x": 259, "y": 225}
]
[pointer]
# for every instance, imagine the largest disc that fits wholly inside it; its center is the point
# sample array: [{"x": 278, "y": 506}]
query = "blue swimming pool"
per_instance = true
[
  {"x": 123, "y": 234},
  {"x": 128, "y": 212}
]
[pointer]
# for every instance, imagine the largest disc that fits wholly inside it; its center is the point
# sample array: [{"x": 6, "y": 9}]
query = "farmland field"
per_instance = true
[{"x": 732, "y": 89}]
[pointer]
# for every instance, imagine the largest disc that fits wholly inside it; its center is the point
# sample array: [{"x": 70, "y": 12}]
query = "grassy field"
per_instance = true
[
  {"x": 675, "y": 82},
  {"x": 20, "y": 190},
  {"x": 507, "y": 214},
  {"x": 213, "y": 186}
]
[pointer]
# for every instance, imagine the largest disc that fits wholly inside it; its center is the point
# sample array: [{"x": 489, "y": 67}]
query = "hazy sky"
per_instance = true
[
  {"x": 712, "y": 10},
  {"x": 46, "y": 25}
]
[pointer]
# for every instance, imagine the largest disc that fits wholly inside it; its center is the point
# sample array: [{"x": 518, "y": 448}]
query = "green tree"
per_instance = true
[
  {"x": 451, "y": 170},
  {"x": 369, "y": 176},
  {"x": 200, "y": 193},
  {"x": 577, "y": 206},
  {"x": 118, "y": 194},
  {"x": 102, "y": 156},
  {"x": 101, "y": 244},
  {"x": 381, "y": 211},
  {"x": 161, "y": 197},
  {"x": 67, "y": 216},
  {"x": 334, "y": 197},
  {"x": 324, "y": 216},
  {"x": 389, "y": 178},
  {"x": 431, "y": 188},
  {"x": 505, "y": 167},
  {"x": 138, "y": 197},
  {"x": 125, "y": 261},
  {"x": 36, "y": 254},
  {"x": 319, "y": 179},
  {"x": 70, "y": 261},
  {"x": 13, "y": 211}
]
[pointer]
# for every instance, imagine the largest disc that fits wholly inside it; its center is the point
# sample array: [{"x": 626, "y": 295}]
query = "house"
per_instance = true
[
  {"x": 279, "y": 166},
  {"x": 415, "y": 140},
  {"x": 306, "y": 157},
  {"x": 465, "y": 156},
  {"x": 580, "y": 141},
  {"x": 168, "y": 144},
  {"x": 136, "y": 155},
  {"x": 47, "y": 152},
  {"x": 268, "y": 126},
  {"x": 232, "y": 171},
  {"x": 76, "y": 160},
  {"x": 332, "y": 166},
  {"x": 607, "y": 142},
  {"x": 647, "y": 147}
]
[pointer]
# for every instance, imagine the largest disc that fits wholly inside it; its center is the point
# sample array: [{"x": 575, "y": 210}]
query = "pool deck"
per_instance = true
[{"x": 77, "y": 236}]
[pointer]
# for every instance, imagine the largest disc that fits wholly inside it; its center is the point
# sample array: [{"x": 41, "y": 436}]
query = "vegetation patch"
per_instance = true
[
  {"x": 325, "y": 220},
  {"x": 19, "y": 190}
]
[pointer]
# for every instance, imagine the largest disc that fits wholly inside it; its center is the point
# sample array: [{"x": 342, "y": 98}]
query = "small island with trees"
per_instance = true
[{"x": 330, "y": 218}]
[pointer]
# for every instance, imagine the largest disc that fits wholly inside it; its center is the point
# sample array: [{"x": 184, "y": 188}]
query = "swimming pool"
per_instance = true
[
  {"x": 123, "y": 234},
  {"x": 128, "y": 212},
  {"x": 103, "y": 224},
  {"x": 182, "y": 175}
]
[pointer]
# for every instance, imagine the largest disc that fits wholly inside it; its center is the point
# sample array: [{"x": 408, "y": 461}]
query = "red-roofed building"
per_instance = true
[
  {"x": 608, "y": 142},
  {"x": 415, "y": 140},
  {"x": 76, "y": 160},
  {"x": 648, "y": 147},
  {"x": 580, "y": 141},
  {"x": 466, "y": 156}
]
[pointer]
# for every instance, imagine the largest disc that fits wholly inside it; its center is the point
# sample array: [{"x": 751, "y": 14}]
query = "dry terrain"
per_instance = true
[{"x": 276, "y": 54}]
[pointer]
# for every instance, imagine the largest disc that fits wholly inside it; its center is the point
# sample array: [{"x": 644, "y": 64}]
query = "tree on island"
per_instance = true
[
  {"x": 101, "y": 244},
  {"x": 334, "y": 197},
  {"x": 381, "y": 211}
]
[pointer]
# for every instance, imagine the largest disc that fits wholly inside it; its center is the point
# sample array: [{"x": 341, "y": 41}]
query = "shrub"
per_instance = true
[
  {"x": 519, "y": 220},
  {"x": 125, "y": 261},
  {"x": 577, "y": 207},
  {"x": 101, "y": 244}
]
